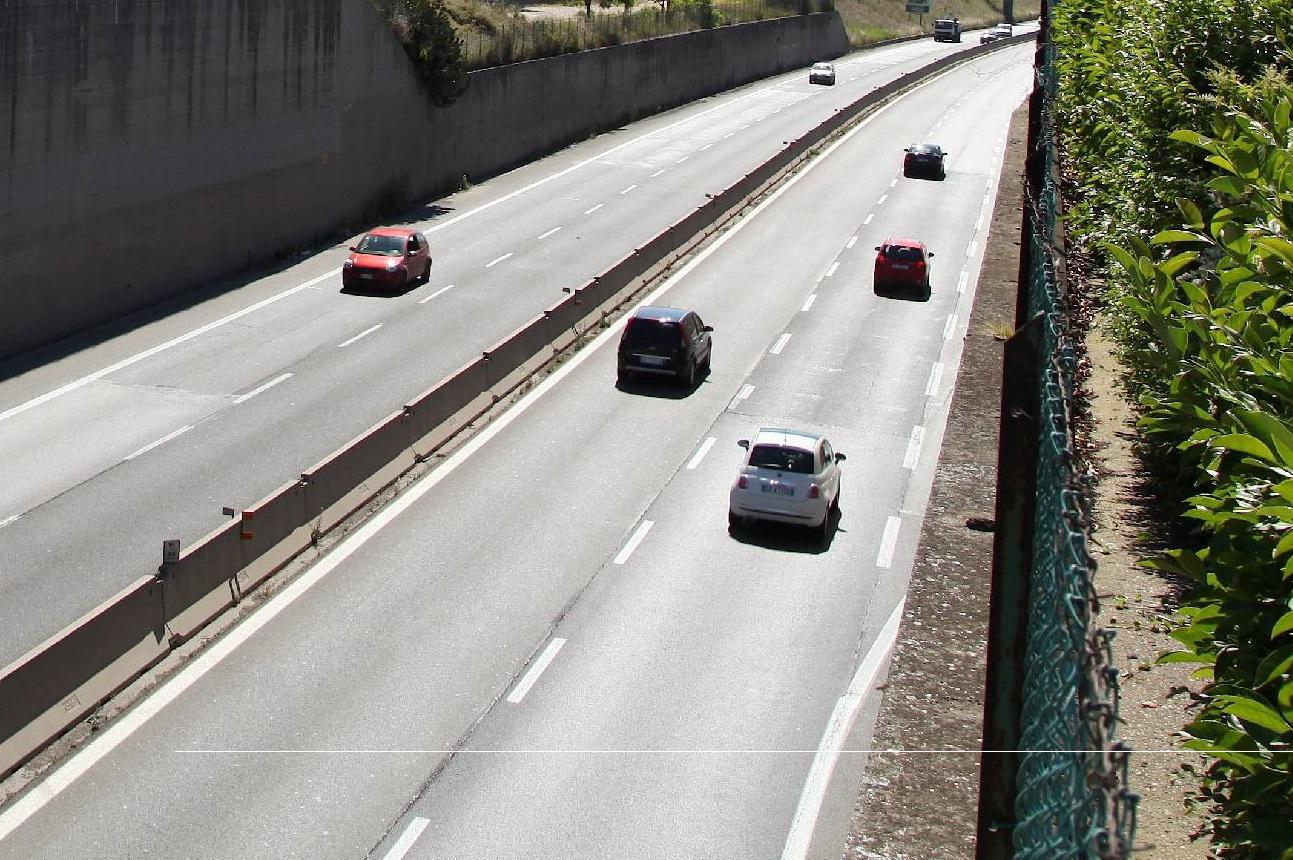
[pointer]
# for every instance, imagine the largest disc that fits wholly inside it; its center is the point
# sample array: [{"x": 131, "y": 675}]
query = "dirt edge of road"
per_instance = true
[{"x": 920, "y": 795}]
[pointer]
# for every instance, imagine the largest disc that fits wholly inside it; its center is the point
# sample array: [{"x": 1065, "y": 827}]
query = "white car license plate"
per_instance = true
[
  {"x": 779, "y": 489},
  {"x": 903, "y": 266},
  {"x": 653, "y": 360}
]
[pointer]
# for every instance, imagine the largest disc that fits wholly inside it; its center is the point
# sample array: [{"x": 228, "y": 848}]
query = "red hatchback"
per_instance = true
[
  {"x": 392, "y": 258},
  {"x": 902, "y": 263}
]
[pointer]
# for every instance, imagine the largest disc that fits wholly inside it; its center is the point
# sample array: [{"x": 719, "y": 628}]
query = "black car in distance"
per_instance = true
[
  {"x": 924, "y": 159},
  {"x": 661, "y": 341}
]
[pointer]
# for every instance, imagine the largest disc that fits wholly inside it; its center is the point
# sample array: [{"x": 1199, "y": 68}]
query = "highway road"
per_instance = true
[
  {"x": 551, "y": 646},
  {"x": 147, "y": 435}
]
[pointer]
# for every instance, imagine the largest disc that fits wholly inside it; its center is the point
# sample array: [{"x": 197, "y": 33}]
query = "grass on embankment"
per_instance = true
[{"x": 869, "y": 21}]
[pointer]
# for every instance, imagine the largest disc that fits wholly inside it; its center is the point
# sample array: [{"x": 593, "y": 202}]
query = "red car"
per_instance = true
[
  {"x": 902, "y": 263},
  {"x": 392, "y": 258}
]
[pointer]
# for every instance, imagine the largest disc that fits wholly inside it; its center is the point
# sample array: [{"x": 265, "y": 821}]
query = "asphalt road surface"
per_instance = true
[
  {"x": 551, "y": 646},
  {"x": 148, "y": 435}
]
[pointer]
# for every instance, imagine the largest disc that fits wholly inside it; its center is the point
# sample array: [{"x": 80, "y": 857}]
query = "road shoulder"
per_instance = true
[{"x": 919, "y": 798}]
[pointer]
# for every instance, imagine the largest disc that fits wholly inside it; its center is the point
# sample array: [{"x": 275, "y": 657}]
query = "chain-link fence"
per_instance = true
[
  {"x": 1066, "y": 793},
  {"x": 596, "y": 25}
]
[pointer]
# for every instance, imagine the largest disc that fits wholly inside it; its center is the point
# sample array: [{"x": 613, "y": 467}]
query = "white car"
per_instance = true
[
  {"x": 822, "y": 73},
  {"x": 789, "y": 476}
]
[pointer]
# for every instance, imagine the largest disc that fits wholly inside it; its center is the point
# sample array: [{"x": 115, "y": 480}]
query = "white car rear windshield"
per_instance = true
[{"x": 782, "y": 459}]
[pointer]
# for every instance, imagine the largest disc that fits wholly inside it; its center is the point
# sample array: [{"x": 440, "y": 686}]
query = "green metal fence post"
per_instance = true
[{"x": 1012, "y": 559}]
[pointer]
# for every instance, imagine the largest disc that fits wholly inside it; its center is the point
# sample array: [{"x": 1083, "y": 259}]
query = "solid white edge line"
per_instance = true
[
  {"x": 243, "y": 398},
  {"x": 912, "y": 457},
  {"x": 888, "y": 542},
  {"x": 494, "y": 262},
  {"x": 695, "y": 458},
  {"x": 407, "y": 838},
  {"x": 110, "y": 738},
  {"x": 833, "y": 269},
  {"x": 808, "y": 303},
  {"x": 594, "y": 209},
  {"x": 440, "y": 292},
  {"x": 800, "y": 836},
  {"x": 935, "y": 376},
  {"x": 162, "y": 441},
  {"x": 536, "y": 670},
  {"x": 550, "y": 232},
  {"x": 365, "y": 333},
  {"x": 638, "y": 535},
  {"x": 161, "y": 347},
  {"x": 780, "y": 344}
]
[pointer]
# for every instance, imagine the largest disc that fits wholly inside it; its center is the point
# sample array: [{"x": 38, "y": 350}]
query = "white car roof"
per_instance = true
[
  {"x": 801, "y": 439},
  {"x": 822, "y": 66}
]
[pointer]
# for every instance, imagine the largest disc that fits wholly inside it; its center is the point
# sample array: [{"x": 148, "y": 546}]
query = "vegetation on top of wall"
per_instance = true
[
  {"x": 428, "y": 35},
  {"x": 871, "y": 21},
  {"x": 496, "y": 32},
  {"x": 1177, "y": 163}
]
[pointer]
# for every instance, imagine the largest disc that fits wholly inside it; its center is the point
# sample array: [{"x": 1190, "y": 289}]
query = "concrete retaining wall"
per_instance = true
[{"x": 147, "y": 148}]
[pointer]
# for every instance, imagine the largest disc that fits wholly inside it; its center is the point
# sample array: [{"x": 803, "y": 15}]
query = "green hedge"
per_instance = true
[{"x": 1163, "y": 103}]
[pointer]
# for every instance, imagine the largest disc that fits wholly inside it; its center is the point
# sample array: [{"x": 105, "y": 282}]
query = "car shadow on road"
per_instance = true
[
  {"x": 380, "y": 293},
  {"x": 664, "y": 388},
  {"x": 788, "y": 538},
  {"x": 904, "y": 295}
]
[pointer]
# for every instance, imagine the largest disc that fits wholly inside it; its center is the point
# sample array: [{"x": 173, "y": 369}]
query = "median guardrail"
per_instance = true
[{"x": 59, "y": 683}]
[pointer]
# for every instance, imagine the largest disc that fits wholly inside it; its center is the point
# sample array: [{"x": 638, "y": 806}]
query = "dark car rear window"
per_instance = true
[
  {"x": 381, "y": 245},
  {"x": 644, "y": 332},
  {"x": 782, "y": 459},
  {"x": 903, "y": 253}
]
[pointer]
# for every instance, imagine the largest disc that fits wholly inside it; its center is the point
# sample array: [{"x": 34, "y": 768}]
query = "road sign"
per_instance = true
[
  {"x": 918, "y": 7},
  {"x": 170, "y": 551}
]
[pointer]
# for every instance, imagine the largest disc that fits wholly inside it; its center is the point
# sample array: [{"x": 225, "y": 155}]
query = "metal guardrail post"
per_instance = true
[{"x": 1012, "y": 560}]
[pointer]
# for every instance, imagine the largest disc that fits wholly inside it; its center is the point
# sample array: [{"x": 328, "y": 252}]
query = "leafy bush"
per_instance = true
[
  {"x": 1219, "y": 309},
  {"x": 428, "y": 35}
]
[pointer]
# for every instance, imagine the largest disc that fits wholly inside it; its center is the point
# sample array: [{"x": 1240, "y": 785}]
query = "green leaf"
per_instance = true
[
  {"x": 1174, "y": 236},
  {"x": 1254, "y": 711},
  {"x": 1282, "y": 626},
  {"x": 1184, "y": 657},
  {"x": 1244, "y": 444},
  {"x": 1275, "y": 666},
  {"x": 1273, "y": 432}
]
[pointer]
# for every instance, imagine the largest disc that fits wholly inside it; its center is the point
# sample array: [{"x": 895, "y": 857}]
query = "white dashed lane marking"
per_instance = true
[
  {"x": 536, "y": 670},
  {"x": 633, "y": 541},
  {"x": 162, "y": 441},
  {"x": 363, "y": 334},
  {"x": 441, "y": 291}
]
